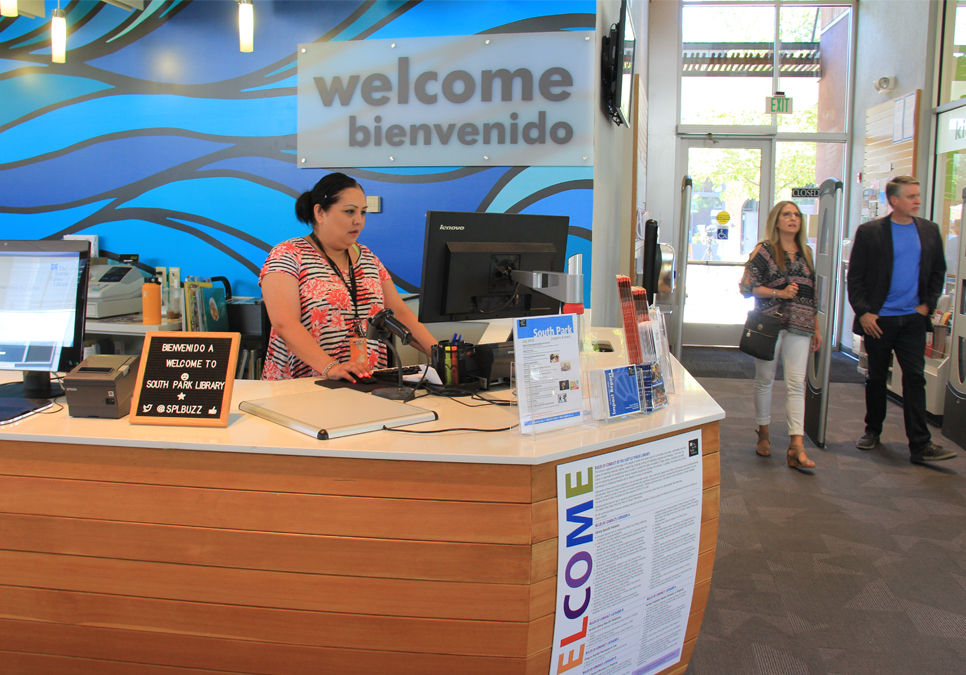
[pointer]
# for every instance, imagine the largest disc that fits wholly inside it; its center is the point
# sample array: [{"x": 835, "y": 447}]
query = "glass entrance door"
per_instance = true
[{"x": 731, "y": 180}]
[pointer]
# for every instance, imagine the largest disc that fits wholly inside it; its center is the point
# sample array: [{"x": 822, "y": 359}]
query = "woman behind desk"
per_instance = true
[{"x": 320, "y": 290}]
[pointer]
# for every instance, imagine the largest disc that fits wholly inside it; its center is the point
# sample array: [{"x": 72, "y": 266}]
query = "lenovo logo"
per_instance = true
[{"x": 451, "y": 227}]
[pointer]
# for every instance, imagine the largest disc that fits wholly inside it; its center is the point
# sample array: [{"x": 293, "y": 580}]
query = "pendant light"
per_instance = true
[
  {"x": 58, "y": 36},
  {"x": 32, "y": 9},
  {"x": 246, "y": 26}
]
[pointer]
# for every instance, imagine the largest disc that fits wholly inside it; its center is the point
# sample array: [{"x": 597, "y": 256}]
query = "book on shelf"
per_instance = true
[
  {"x": 193, "y": 301},
  {"x": 214, "y": 309}
]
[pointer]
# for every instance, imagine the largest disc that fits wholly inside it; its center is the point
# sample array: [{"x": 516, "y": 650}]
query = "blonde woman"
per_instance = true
[{"x": 784, "y": 254}]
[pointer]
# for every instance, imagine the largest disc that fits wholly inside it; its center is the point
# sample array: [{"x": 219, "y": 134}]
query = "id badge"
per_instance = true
[{"x": 358, "y": 350}]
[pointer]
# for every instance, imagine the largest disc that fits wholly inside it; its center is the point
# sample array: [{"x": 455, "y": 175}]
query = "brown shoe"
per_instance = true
[
  {"x": 764, "y": 442},
  {"x": 797, "y": 458}
]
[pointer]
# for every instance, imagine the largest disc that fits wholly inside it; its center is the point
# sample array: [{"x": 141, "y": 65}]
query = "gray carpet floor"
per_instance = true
[
  {"x": 858, "y": 566},
  {"x": 731, "y": 362}
]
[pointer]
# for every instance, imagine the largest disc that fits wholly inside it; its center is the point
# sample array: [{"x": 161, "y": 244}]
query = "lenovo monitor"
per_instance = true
[{"x": 468, "y": 259}]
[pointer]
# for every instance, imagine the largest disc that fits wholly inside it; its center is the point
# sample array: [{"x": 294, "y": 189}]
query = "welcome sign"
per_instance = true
[
  {"x": 500, "y": 100},
  {"x": 629, "y": 526}
]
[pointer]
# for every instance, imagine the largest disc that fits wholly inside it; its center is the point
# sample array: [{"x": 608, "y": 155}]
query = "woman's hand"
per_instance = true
[
  {"x": 349, "y": 371},
  {"x": 789, "y": 292},
  {"x": 816, "y": 341}
]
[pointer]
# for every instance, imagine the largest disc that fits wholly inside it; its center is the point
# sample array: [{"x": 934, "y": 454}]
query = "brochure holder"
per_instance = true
[
  {"x": 528, "y": 381},
  {"x": 645, "y": 330},
  {"x": 609, "y": 375},
  {"x": 627, "y": 390},
  {"x": 662, "y": 347},
  {"x": 543, "y": 394},
  {"x": 548, "y": 373}
]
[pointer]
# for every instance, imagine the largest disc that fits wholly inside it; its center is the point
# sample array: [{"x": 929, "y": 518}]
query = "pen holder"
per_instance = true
[{"x": 449, "y": 361}]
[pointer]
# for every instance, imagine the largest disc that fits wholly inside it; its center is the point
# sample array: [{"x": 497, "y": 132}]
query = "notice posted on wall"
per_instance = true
[
  {"x": 547, "y": 364},
  {"x": 629, "y": 530}
]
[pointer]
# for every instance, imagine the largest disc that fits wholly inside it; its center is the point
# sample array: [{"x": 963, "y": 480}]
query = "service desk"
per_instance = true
[{"x": 255, "y": 549}]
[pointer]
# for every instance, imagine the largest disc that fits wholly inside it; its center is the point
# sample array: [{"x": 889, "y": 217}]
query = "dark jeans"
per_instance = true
[{"x": 906, "y": 336}]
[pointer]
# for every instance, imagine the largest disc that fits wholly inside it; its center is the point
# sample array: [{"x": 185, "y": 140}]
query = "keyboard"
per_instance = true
[{"x": 392, "y": 375}]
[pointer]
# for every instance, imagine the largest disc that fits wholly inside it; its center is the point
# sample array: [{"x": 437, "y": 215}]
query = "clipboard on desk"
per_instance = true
[{"x": 333, "y": 413}]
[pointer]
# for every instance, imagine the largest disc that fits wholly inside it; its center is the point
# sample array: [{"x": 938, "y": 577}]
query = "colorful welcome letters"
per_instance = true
[
  {"x": 629, "y": 524},
  {"x": 578, "y": 574}
]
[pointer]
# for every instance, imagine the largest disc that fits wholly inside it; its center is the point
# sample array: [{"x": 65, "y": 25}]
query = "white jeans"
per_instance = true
[{"x": 793, "y": 350}]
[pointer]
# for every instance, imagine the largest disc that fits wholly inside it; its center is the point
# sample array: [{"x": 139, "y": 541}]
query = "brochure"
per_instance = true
[
  {"x": 547, "y": 362},
  {"x": 652, "y": 386},
  {"x": 616, "y": 392}
]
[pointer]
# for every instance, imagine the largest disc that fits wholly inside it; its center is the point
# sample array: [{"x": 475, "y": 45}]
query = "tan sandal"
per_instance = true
[
  {"x": 764, "y": 442},
  {"x": 797, "y": 458}
]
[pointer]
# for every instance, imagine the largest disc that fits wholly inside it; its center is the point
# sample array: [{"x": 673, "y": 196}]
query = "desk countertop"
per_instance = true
[{"x": 691, "y": 406}]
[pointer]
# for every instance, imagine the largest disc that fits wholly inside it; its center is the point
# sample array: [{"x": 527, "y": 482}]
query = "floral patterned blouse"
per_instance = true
[
  {"x": 798, "y": 313},
  {"x": 327, "y": 311}
]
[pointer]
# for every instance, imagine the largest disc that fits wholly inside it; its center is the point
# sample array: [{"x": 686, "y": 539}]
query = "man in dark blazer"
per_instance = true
[{"x": 896, "y": 275}]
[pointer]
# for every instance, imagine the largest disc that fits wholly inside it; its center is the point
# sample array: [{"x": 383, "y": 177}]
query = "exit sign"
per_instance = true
[{"x": 778, "y": 104}]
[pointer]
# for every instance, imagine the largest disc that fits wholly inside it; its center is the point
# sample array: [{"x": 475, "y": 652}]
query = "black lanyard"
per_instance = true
[{"x": 350, "y": 284}]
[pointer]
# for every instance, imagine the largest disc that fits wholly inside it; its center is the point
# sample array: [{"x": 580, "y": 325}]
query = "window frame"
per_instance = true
[{"x": 737, "y": 130}]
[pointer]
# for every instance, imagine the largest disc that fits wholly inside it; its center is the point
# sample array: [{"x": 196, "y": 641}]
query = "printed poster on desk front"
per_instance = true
[
  {"x": 628, "y": 538},
  {"x": 546, "y": 358}
]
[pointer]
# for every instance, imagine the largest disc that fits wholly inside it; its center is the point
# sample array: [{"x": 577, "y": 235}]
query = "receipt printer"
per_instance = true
[{"x": 101, "y": 386}]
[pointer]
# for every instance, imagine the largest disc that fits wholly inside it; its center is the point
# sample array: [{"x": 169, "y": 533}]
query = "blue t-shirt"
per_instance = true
[{"x": 906, "y": 253}]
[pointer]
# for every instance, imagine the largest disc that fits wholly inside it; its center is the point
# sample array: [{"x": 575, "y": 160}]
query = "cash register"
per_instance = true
[{"x": 114, "y": 290}]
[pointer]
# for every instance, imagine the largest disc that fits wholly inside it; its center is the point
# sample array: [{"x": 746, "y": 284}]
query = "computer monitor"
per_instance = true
[
  {"x": 43, "y": 303},
  {"x": 617, "y": 68},
  {"x": 468, "y": 258}
]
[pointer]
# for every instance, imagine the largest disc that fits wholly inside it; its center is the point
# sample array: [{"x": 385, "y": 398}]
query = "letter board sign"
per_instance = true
[
  {"x": 480, "y": 100},
  {"x": 185, "y": 379}
]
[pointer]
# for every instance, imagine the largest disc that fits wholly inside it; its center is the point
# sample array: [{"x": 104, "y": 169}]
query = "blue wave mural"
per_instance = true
[{"x": 162, "y": 138}]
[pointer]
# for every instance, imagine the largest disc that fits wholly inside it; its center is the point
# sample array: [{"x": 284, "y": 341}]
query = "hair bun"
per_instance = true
[
  {"x": 325, "y": 193},
  {"x": 303, "y": 208}
]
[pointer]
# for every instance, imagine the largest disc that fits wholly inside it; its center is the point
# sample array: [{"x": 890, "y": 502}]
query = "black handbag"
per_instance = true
[{"x": 760, "y": 334}]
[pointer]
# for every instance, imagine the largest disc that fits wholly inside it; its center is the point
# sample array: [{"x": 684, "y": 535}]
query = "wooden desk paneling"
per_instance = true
[
  {"x": 454, "y": 481},
  {"x": 122, "y": 561}
]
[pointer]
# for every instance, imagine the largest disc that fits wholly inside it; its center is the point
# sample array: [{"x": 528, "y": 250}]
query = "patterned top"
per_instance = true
[
  {"x": 326, "y": 306},
  {"x": 798, "y": 313}
]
